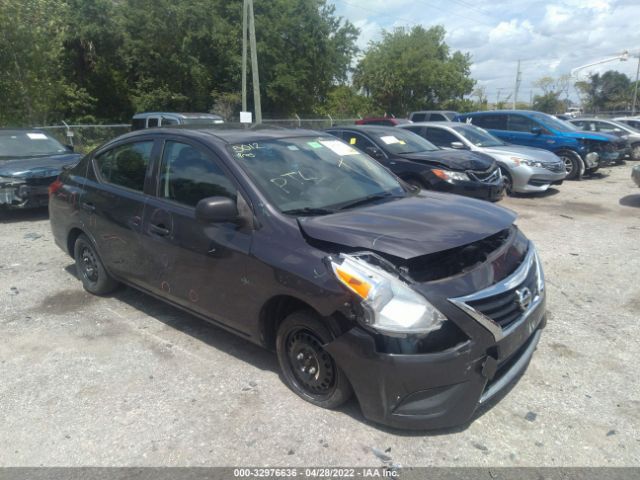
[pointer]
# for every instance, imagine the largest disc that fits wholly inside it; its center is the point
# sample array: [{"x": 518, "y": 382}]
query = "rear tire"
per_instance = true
[
  {"x": 572, "y": 164},
  {"x": 307, "y": 368},
  {"x": 90, "y": 268}
]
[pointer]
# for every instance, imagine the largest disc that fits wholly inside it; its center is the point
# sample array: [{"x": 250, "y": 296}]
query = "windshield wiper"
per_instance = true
[
  {"x": 367, "y": 199},
  {"x": 309, "y": 211}
]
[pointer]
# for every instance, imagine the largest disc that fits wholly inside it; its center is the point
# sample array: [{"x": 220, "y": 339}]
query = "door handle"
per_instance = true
[
  {"x": 159, "y": 230},
  {"x": 89, "y": 207}
]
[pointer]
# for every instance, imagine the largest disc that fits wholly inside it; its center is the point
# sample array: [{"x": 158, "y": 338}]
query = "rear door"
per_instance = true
[
  {"x": 113, "y": 201},
  {"x": 197, "y": 265},
  {"x": 495, "y": 123}
]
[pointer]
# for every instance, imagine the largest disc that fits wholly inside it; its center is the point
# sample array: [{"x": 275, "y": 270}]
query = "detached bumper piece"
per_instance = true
[{"x": 21, "y": 193}]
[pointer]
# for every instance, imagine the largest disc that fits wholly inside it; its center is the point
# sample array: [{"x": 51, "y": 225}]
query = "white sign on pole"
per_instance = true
[{"x": 246, "y": 117}]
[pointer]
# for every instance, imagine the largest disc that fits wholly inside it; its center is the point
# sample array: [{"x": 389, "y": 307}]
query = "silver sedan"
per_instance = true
[{"x": 525, "y": 169}]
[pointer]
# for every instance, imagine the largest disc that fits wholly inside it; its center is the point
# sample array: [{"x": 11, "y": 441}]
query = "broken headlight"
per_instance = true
[{"x": 390, "y": 305}]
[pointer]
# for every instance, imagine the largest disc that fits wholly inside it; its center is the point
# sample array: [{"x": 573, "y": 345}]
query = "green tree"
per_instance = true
[
  {"x": 344, "y": 101},
  {"x": 610, "y": 91},
  {"x": 32, "y": 88},
  {"x": 413, "y": 69}
]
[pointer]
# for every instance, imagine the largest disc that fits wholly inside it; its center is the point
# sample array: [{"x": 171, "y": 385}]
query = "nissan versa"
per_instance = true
[{"x": 425, "y": 305}]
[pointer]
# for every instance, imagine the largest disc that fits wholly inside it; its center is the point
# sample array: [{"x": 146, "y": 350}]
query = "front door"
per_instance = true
[{"x": 197, "y": 265}]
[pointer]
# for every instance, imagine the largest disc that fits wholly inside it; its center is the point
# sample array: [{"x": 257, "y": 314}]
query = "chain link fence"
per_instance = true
[{"x": 85, "y": 138}]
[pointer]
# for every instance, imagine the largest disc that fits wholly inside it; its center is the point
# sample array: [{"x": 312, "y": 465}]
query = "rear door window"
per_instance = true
[
  {"x": 491, "y": 122},
  {"x": 188, "y": 174},
  {"x": 419, "y": 117},
  {"x": 440, "y": 137},
  {"x": 125, "y": 165},
  {"x": 152, "y": 122},
  {"x": 438, "y": 117},
  {"x": 520, "y": 123}
]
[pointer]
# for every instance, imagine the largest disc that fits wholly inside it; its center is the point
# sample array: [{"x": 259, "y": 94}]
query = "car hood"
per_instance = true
[
  {"x": 426, "y": 223},
  {"x": 452, "y": 159},
  {"x": 529, "y": 153},
  {"x": 33, "y": 167},
  {"x": 603, "y": 137}
]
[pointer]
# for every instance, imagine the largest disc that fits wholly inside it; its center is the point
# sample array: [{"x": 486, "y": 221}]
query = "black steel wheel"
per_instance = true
[
  {"x": 308, "y": 369},
  {"x": 95, "y": 278}
]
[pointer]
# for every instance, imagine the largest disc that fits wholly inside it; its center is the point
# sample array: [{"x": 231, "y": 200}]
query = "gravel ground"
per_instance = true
[{"x": 127, "y": 380}]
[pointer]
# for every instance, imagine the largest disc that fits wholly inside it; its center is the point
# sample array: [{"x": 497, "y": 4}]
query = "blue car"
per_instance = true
[{"x": 582, "y": 152}]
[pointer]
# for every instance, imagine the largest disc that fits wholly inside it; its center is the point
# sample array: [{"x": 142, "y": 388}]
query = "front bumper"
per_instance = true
[
  {"x": 492, "y": 191},
  {"x": 21, "y": 195},
  {"x": 535, "y": 179},
  {"x": 434, "y": 390}
]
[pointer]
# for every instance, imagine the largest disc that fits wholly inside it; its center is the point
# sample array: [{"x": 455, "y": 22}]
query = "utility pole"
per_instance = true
[
  {"x": 515, "y": 92},
  {"x": 244, "y": 55},
  {"x": 254, "y": 64},
  {"x": 635, "y": 89}
]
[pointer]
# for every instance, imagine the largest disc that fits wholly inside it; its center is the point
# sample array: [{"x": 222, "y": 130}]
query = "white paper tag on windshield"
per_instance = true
[
  {"x": 339, "y": 148},
  {"x": 389, "y": 139},
  {"x": 37, "y": 136}
]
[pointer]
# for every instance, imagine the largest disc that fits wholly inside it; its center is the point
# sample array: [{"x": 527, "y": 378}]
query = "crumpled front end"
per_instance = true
[
  {"x": 20, "y": 192},
  {"x": 492, "y": 294}
]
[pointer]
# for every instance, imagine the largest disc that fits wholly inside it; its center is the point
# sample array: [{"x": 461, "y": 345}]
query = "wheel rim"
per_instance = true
[
  {"x": 89, "y": 264},
  {"x": 568, "y": 163},
  {"x": 313, "y": 368},
  {"x": 508, "y": 186}
]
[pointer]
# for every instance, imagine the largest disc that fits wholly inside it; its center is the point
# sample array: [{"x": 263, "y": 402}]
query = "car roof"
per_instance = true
[
  {"x": 593, "y": 119},
  {"x": 229, "y": 136},
  {"x": 177, "y": 114},
  {"x": 493, "y": 112},
  {"x": 367, "y": 128},
  {"x": 435, "y": 124}
]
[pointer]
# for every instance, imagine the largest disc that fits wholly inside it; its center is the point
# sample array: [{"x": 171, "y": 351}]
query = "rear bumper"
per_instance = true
[{"x": 434, "y": 390}]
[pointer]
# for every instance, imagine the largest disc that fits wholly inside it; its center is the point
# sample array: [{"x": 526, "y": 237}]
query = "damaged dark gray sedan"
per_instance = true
[
  {"x": 30, "y": 160},
  {"x": 424, "y": 304}
]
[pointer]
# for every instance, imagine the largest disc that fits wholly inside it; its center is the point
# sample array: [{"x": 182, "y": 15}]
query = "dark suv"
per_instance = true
[
  {"x": 425, "y": 305},
  {"x": 421, "y": 164}
]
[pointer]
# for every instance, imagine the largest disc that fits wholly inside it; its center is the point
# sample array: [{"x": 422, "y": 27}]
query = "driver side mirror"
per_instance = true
[
  {"x": 458, "y": 145},
  {"x": 216, "y": 210},
  {"x": 536, "y": 130},
  {"x": 374, "y": 152}
]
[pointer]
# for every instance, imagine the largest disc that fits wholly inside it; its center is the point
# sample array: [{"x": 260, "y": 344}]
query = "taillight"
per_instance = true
[{"x": 55, "y": 186}]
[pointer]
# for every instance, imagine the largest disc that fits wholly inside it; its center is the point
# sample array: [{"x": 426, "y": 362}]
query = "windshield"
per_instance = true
[
  {"x": 29, "y": 144},
  {"x": 478, "y": 136},
  {"x": 554, "y": 123},
  {"x": 403, "y": 141},
  {"x": 314, "y": 175}
]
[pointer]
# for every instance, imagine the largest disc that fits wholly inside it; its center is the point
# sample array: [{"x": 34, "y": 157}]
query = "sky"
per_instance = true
[{"x": 549, "y": 37}]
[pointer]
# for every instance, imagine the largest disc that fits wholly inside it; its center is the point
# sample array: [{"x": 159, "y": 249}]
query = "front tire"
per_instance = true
[
  {"x": 90, "y": 268},
  {"x": 572, "y": 164},
  {"x": 508, "y": 181},
  {"x": 307, "y": 367}
]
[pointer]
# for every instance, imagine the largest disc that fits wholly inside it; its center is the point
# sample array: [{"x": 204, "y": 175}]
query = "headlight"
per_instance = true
[
  {"x": 390, "y": 305},
  {"x": 530, "y": 163},
  {"x": 449, "y": 175}
]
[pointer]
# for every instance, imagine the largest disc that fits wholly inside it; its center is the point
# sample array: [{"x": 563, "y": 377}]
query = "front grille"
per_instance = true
[
  {"x": 503, "y": 308},
  {"x": 554, "y": 166},
  {"x": 511, "y": 300},
  {"x": 487, "y": 176}
]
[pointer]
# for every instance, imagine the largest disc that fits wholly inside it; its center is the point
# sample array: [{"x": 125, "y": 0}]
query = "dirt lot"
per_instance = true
[{"x": 127, "y": 380}]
